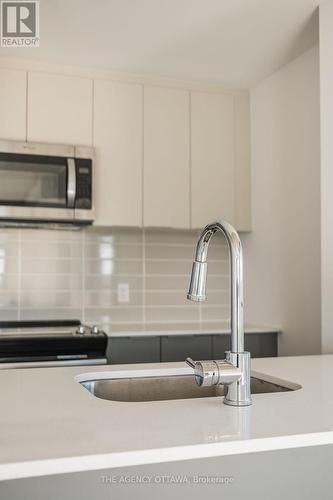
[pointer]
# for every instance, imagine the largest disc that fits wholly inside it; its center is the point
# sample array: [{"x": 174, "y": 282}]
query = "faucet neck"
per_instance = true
[{"x": 236, "y": 277}]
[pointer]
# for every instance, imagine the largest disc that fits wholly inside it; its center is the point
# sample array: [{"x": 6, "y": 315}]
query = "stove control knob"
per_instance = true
[
  {"x": 95, "y": 330},
  {"x": 81, "y": 330}
]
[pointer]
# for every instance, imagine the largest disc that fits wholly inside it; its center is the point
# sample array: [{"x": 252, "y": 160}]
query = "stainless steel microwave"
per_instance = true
[{"x": 45, "y": 183}]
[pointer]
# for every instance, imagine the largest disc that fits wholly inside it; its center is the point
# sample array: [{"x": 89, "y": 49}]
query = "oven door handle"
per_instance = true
[{"x": 71, "y": 182}]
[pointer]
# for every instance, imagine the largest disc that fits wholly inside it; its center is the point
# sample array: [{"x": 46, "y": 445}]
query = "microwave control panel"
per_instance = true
[{"x": 83, "y": 199}]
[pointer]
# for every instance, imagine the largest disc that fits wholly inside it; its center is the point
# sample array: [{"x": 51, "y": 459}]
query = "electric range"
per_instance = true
[{"x": 28, "y": 344}]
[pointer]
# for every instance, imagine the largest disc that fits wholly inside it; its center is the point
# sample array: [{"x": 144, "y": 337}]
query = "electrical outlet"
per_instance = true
[{"x": 123, "y": 293}]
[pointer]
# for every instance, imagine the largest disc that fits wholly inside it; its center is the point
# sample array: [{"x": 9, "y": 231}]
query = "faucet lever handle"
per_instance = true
[{"x": 190, "y": 362}]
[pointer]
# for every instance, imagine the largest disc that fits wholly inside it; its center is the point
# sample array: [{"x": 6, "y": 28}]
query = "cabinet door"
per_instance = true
[
  {"x": 269, "y": 345},
  {"x": 212, "y": 158},
  {"x": 253, "y": 344},
  {"x": 166, "y": 158},
  {"x": 221, "y": 344},
  {"x": 59, "y": 109},
  {"x": 123, "y": 350},
  {"x": 180, "y": 347},
  {"x": 118, "y": 139},
  {"x": 13, "y": 87}
]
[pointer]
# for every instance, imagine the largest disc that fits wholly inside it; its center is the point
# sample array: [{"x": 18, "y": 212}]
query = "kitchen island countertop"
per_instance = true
[{"x": 50, "y": 424}]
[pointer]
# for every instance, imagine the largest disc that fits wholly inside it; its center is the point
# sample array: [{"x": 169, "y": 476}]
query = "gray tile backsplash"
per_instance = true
[{"x": 60, "y": 274}]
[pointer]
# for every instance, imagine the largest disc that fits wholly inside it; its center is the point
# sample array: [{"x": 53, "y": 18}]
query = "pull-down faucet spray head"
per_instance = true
[{"x": 197, "y": 289}]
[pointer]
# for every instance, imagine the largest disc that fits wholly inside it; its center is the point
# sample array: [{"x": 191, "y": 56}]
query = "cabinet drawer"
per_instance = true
[
  {"x": 178, "y": 348},
  {"x": 122, "y": 350}
]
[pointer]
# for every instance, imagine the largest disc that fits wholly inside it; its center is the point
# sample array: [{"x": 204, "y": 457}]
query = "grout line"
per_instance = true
[
  {"x": 181, "y": 290},
  {"x": 123, "y": 243},
  {"x": 75, "y": 289},
  {"x": 143, "y": 156},
  {"x": 26, "y": 104},
  {"x": 188, "y": 261},
  {"x": 235, "y": 159},
  {"x": 103, "y": 290},
  {"x": 92, "y": 111},
  {"x": 83, "y": 279},
  {"x": 182, "y": 245},
  {"x": 119, "y": 243},
  {"x": 144, "y": 276},
  {"x": 148, "y": 259},
  {"x": 143, "y": 233},
  {"x": 78, "y": 274},
  {"x": 107, "y": 259},
  {"x": 126, "y": 306},
  {"x": 123, "y": 276},
  {"x": 181, "y": 275},
  {"x": 190, "y": 157},
  {"x": 139, "y": 306},
  {"x": 19, "y": 274},
  {"x": 50, "y": 308}
]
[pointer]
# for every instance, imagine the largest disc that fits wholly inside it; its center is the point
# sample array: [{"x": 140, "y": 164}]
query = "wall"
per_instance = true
[
  {"x": 283, "y": 251},
  {"x": 326, "y": 98},
  {"x": 64, "y": 274}
]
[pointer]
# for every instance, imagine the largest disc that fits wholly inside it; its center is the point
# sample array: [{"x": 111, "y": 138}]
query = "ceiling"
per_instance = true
[{"x": 232, "y": 42}]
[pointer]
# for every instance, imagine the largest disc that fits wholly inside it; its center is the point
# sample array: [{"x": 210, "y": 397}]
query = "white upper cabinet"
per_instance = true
[
  {"x": 13, "y": 107},
  {"x": 118, "y": 141},
  {"x": 166, "y": 157},
  {"x": 212, "y": 158},
  {"x": 59, "y": 109}
]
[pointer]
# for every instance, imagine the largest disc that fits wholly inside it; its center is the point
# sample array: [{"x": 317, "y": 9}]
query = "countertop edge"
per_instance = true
[
  {"x": 206, "y": 331},
  {"x": 84, "y": 463}
]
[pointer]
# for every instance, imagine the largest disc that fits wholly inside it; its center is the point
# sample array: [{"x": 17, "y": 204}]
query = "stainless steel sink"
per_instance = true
[{"x": 163, "y": 388}]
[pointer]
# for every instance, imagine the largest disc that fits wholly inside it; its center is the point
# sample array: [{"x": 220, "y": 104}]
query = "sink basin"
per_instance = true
[{"x": 171, "y": 387}]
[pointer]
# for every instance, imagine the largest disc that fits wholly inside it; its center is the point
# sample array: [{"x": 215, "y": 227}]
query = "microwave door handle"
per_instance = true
[{"x": 71, "y": 183}]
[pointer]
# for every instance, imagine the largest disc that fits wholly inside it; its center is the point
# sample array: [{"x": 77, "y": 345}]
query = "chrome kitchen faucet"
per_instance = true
[{"x": 234, "y": 371}]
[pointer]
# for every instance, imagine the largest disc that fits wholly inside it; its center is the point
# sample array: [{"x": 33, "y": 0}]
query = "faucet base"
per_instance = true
[
  {"x": 237, "y": 403},
  {"x": 238, "y": 393}
]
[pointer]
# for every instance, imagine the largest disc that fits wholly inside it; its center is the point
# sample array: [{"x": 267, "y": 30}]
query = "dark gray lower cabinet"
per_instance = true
[
  {"x": 180, "y": 347},
  {"x": 260, "y": 345},
  {"x": 221, "y": 343},
  {"x": 122, "y": 350},
  {"x": 253, "y": 344},
  {"x": 269, "y": 345},
  {"x": 133, "y": 350}
]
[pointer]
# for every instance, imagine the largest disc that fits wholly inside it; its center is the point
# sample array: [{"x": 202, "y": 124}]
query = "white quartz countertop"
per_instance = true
[
  {"x": 50, "y": 424},
  {"x": 178, "y": 329}
]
